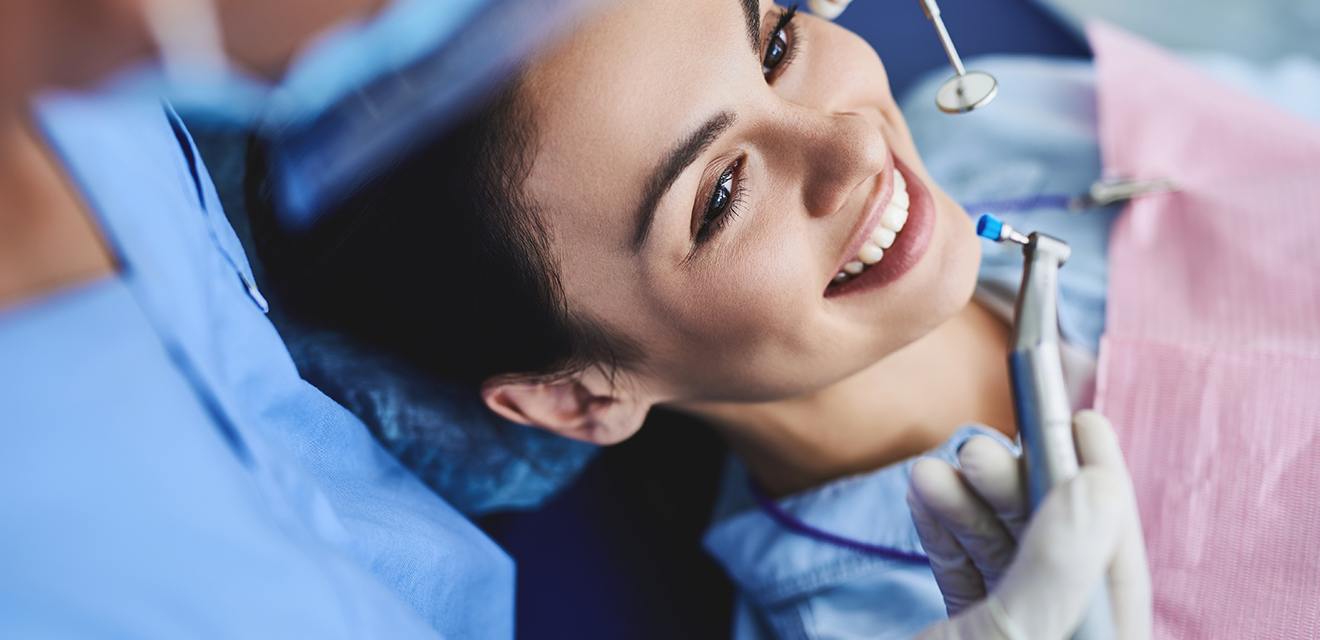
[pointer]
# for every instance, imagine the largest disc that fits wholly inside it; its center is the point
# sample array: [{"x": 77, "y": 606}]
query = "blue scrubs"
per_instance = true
[{"x": 165, "y": 472}]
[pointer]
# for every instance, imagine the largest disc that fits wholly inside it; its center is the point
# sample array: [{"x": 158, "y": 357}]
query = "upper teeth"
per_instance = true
[{"x": 892, "y": 220}]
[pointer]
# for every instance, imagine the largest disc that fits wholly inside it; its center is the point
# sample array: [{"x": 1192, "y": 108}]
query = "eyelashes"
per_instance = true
[
  {"x": 725, "y": 201},
  {"x": 727, "y": 195}
]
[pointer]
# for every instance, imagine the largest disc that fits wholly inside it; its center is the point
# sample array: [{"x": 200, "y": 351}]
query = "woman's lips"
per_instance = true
[{"x": 909, "y": 245}]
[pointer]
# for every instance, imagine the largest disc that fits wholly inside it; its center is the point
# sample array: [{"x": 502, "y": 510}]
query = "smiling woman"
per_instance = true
[
  {"x": 757, "y": 175},
  {"x": 713, "y": 206}
]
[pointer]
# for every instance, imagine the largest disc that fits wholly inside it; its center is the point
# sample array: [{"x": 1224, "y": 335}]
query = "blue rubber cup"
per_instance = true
[{"x": 989, "y": 227}]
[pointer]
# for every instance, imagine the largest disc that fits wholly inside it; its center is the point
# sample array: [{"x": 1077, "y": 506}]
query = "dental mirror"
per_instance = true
[{"x": 964, "y": 91}]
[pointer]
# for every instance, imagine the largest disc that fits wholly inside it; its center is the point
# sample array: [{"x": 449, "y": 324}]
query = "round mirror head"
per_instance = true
[{"x": 963, "y": 93}]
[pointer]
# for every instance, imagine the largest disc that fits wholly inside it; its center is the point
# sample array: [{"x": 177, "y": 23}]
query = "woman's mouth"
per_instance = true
[{"x": 893, "y": 236}]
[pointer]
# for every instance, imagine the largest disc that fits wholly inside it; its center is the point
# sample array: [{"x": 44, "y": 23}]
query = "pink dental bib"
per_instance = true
[{"x": 1210, "y": 366}]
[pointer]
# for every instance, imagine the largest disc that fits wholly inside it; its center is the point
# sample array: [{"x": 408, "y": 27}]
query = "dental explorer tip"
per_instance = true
[{"x": 992, "y": 228}]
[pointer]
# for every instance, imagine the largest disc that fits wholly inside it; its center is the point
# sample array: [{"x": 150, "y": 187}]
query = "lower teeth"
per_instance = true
[{"x": 844, "y": 276}]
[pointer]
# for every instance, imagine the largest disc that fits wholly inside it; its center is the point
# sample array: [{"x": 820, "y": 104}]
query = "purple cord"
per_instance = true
[
  {"x": 790, "y": 522},
  {"x": 1042, "y": 201}
]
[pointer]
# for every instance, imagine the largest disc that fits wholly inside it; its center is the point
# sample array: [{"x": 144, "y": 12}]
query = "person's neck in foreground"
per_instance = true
[
  {"x": 47, "y": 240},
  {"x": 906, "y": 404}
]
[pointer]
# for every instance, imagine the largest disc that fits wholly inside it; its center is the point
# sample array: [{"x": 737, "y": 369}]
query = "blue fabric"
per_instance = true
[
  {"x": 444, "y": 433},
  {"x": 797, "y": 587},
  {"x": 353, "y": 56},
  {"x": 364, "y": 95},
  {"x": 1038, "y": 138},
  {"x": 166, "y": 472}
]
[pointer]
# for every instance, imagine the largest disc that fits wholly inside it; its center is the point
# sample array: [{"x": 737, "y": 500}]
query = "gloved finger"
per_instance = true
[
  {"x": 953, "y": 504},
  {"x": 996, "y": 475},
  {"x": 986, "y": 620},
  {"x": 1129, "y": 577},
  {"x": 959, "y": 581},
  {"x": 1097, "y": 445},
  {"x": 1064, "y": 553},
  {"x": 828, "y": 9}
]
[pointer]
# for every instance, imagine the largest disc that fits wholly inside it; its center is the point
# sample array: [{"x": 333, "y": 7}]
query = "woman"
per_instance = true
[{"x": 715, "y": 207}]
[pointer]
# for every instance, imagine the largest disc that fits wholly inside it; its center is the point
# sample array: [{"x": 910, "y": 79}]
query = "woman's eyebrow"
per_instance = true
[
  {"x": 752, "y": 12},
  {"x": 671, "y": 166}
]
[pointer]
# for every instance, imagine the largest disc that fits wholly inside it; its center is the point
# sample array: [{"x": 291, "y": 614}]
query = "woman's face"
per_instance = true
[{"x": 707, "y": 170}]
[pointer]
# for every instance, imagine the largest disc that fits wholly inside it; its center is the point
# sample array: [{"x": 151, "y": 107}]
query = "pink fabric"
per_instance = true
[{"x": 1210, "y": 367}]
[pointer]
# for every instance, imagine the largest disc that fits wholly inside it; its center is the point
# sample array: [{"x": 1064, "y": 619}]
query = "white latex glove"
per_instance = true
[
  {"x": 828, "y": 9},
  {"x": 1006, "y": 578}
]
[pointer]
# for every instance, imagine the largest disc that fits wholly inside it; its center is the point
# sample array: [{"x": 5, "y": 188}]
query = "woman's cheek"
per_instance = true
[{"x": 763, "y": 291}]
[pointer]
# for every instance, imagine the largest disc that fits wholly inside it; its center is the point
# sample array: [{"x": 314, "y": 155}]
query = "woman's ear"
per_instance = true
[{"x": 584, "y": 406}]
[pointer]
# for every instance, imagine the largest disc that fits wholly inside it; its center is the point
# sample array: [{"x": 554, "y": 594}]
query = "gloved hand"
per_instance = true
[
  {"x": 1006, "y": 577},
  {"x": 828, "y": 9}
]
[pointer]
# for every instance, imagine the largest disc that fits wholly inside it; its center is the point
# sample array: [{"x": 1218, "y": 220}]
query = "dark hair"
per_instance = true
[{"x": 441, "y": 262}]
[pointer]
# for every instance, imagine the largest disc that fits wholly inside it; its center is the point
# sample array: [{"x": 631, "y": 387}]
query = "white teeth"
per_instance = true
[
  {"x": 894, "y": 217},
  {"x": 896, "y": 212},
  {"x": 883, "y": 238},
  {"x": 870, "y": 254},
  {"x": 901, "y": 198}
]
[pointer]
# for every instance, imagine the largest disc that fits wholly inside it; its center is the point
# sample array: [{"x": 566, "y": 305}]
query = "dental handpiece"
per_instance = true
[{"x": 1040, "y": 395}]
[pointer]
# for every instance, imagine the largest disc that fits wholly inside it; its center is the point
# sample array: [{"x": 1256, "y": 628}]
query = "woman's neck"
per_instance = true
[
  {"x": 904, "y": 405},
  {"x": 47, "y": 240}
]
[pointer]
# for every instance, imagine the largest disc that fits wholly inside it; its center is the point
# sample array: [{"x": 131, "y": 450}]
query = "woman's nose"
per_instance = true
[{"x": 840, "y": 154}]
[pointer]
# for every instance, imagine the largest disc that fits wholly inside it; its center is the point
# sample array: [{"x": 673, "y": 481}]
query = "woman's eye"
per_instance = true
[
  {"x": 780, "y": 44},
  {"x": 775, "y": 51},
  {"x": 720, "y": 203},
  {"x": 719, "y": 200}
]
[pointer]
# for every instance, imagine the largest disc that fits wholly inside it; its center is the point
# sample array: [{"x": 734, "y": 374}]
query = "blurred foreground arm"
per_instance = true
[{"x": 1004, "y": 577}]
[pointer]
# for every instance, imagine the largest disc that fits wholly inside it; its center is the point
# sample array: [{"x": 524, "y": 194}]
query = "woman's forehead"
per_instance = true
[{"x": 626, "y": 87}]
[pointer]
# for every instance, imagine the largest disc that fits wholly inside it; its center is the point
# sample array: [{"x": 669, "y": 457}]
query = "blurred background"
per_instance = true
[{"x": 615, "y": 551}]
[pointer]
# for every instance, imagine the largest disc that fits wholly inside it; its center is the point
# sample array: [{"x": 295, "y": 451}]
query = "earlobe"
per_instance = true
[{"x": 567, "y": 407}]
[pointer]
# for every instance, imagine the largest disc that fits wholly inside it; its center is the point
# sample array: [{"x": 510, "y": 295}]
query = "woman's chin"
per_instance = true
[{"x": 952, "y": 265}]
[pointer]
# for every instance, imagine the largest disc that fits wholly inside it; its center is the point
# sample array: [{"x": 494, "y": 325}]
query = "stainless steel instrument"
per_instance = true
[{"x": 1040, "y": 396}]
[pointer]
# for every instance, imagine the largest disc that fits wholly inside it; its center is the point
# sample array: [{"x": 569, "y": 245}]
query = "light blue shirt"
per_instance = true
[
  {"x": 165, "y": 472},
  {"x": 1038, "y": 138}
]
